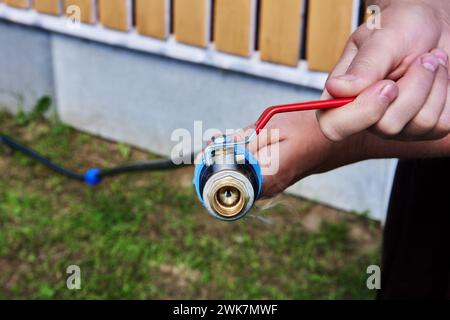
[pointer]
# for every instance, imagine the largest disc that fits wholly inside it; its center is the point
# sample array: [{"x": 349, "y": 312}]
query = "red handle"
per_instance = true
[{"x": 303, "y": 106}]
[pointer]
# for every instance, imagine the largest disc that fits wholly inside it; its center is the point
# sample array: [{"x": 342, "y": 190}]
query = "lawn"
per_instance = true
[{"x": 145, "y": 236}]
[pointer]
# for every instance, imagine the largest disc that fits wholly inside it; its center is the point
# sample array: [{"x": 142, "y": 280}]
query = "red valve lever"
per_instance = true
[{"x": 303, "y": 106}]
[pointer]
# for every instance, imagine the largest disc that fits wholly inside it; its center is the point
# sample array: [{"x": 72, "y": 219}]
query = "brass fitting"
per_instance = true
[
  {"x": 228, "y": 197},
  {"x": 228, "y": 194}
]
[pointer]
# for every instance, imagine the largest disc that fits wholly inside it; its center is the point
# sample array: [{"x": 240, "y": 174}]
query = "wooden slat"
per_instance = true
[
  {"x": 87, "y": 9},
  {"x": 234, "y": 26},
  {"x": 47, "y": 6},
  {"x": 18, "y": 3},
  {"x": 280, "y": 31},
  {"x": 191, "y": 21},
  {"x": 329, "y": 26},
  {"x": 115, "y": 14},
  {"x": 151, "y": 17}
]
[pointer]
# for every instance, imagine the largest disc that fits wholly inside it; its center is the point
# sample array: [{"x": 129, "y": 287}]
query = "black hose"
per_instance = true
[
  {"x": 14, "y": 145},
  {"x": 154, "y": 165}
]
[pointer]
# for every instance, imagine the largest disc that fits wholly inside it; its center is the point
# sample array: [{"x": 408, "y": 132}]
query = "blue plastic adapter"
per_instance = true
[{"x": 249, "y": 159}]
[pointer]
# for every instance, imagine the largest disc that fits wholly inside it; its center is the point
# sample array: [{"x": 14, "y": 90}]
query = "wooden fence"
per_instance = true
[{"x": 281, "y": 32}]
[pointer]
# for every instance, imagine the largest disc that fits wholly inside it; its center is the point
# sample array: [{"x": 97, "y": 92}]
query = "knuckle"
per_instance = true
[
  {"x": 361, "y": 35},
  {"x": 381, "y": 35},
  {"x": 389, "y": 129},
  {"x": 362, "y": 63},
  {"x": 373, "y": 117},
  {"x": 331, "y": 132},
  {"x": 443, "y": 126},
  {"x": 375, "y": 114},
  {"x": 425, "y": 120}
]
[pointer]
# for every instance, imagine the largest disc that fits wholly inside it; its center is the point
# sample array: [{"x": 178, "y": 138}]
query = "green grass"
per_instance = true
[{"x": 147, "y": 237}]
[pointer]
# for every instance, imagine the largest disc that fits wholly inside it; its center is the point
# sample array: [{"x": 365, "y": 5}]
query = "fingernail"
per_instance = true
[
  {"x": 442, "y": 57},
  {"x": 347, "y": 77},
  {"x": 388, "y": 93},
  {"x": 430, "y": 62}
]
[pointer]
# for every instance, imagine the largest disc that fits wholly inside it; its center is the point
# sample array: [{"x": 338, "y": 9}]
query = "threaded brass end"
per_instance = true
[{"x": 228, "y": 197}]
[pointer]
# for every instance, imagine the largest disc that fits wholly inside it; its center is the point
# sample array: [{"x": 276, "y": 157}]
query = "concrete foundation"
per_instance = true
[{"x": 26, "y": 66}]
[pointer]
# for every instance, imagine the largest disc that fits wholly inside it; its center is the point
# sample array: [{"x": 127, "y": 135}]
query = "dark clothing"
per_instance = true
[{"x": 416, "y": 246}]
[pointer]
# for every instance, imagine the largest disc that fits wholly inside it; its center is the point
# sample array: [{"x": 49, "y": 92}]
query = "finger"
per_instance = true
[
  {"x": 368, "y": 108},
  {"x": 428, "y": 117},
  {"x": 267, "y": 136},
  {"x": 415, "y": 87},
  {"x": 400, "y": 71},
  {"x": 281, "y": 157},
  {"x": 378, "y": 55},
  {"x": 272, "y": 185},
  {"x": 349, "y": 53},
  {"x": 442, "y": 128}
]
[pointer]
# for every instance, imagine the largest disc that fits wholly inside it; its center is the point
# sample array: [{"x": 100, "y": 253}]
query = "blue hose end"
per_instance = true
[{"x": 92, "y": 177}]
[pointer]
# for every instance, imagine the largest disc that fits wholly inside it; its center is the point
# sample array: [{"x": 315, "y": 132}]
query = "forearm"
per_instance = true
[
  {"x": 375, "y": 147},
  {"x": 366, "y": 146}
]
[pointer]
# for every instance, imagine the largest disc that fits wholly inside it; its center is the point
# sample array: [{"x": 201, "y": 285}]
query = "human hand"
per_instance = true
[
  {"x": 385, "y": 69},
  {"x": 292, "y": 146},
  {"x": 414, "y": 103}
]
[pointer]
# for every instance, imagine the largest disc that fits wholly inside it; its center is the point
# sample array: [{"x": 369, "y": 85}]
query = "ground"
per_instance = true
[{"x": 145, "y": 236}]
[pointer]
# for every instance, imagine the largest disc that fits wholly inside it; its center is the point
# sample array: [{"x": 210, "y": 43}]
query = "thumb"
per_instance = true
[{"x": 377, "y": 57}]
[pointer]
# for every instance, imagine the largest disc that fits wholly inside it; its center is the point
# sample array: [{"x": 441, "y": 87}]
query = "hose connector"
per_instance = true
[
  {"x": 92, "y": 177},
  {"x": 229, "y": 183}
]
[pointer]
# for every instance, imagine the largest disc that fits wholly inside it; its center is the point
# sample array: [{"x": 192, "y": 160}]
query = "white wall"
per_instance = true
[{"x": 26, "y": 72}]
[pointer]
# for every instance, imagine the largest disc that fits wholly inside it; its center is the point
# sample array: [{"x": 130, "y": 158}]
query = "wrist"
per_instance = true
[{"x": 338, "y": 154}]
